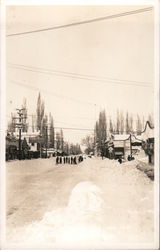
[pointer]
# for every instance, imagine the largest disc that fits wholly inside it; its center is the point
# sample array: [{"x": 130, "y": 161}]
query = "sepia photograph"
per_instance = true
[{"x": 79, "y": 126}]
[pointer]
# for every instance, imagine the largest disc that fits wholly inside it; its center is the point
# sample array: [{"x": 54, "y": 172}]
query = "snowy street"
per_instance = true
[{"x": 94, "y": 201}]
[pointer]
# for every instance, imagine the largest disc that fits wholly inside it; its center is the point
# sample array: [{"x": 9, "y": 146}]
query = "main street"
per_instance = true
[{"x": 97, "y": 200}]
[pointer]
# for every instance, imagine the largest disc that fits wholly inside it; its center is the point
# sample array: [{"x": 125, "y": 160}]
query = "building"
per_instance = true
[
  {"x": 122, "y": 145},
  {"x": 148, "y": 142}
]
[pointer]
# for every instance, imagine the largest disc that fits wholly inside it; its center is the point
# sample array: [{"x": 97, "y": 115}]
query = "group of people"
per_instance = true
[{"x": 69, "y": 159}]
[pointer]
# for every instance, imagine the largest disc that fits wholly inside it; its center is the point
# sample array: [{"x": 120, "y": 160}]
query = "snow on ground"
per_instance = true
[{"x": 97, "y": 201}]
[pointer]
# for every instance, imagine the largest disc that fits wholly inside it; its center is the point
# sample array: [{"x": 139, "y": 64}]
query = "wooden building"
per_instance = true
[{"x": 122, "y": 148}]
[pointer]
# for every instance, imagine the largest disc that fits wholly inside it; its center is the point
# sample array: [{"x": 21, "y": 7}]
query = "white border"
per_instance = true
[
  {"x": 80, "y": 2},
  {"x": 156, "y": 121},
  {"x": 2, "y": 124},
  {"x": 5, "y": 3}
]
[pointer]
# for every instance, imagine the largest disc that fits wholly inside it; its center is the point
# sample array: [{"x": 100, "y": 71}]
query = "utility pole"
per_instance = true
[
  {"x": 46, "y": 139},
  {"x": 95, "y": 139},
  {"x": 130, "y": 138},
  {"x": 20, "y": 125}
]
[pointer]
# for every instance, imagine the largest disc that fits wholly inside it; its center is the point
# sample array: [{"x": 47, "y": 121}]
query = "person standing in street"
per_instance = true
[{"x": 57, "y": 160}]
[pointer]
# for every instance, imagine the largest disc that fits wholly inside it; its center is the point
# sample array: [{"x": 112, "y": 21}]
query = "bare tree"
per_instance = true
[
  {"x": 52, "y": 134},
  {"x": 151, "y": 119},
  {"x": 111, "y": 128},
  {"x": 62, "y": 139},
  {"x": 138, "y": 125},
  {"x": 131, "y": 123},
  {"x": 127, "y": 123},
  {"x": 118, "y": 122},
  {"x": 88, "y": 141},
  {"x": 33, "y": 123},
  {"x": 121, "y": 122},
  {"x": 11, "y": 124}
]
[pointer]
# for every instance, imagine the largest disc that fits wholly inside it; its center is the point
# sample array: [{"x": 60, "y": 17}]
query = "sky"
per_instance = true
[{"x": 120, "y": 48}]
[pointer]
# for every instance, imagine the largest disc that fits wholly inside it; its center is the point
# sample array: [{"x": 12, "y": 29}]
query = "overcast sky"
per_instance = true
[{"x": 120, "y": 48}]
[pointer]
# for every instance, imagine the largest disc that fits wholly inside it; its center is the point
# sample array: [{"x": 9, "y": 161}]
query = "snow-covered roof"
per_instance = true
[
  {"x": 26, "y": 134},
  {"x": 121, "y": 137},
  {"x": 137, "y": 138},
  {"x": 149, "y": 133}
]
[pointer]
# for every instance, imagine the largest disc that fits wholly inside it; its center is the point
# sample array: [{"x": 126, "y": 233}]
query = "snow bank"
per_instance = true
[
  {"x": 148, "y": 169},
  {"x": 78, "y": 223},
  {"x": 115, "y": 204},
  {"x": 85, "y": 196}
]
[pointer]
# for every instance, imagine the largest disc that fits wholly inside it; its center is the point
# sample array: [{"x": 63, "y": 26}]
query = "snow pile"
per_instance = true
[
  {"x": 85, "y": 196},
  {"x": 147, "y": 169},
  {"x": 77, "y": 223}
]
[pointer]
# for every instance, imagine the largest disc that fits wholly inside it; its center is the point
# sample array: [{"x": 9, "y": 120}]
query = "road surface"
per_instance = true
[{"x": 96, "y": 201}]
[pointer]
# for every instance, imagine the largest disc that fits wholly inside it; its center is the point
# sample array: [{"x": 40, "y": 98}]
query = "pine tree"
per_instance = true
[
  {"x": 44, "y": 129},
  {"x": 24, "y": 112},
  {"x": 58, "y": 141},
  {"x": 97, "y": 132},
  {"x": 40, "y": 112},
  {"x": 52, "y": 136},
  {"x": 101, "y": 131}
]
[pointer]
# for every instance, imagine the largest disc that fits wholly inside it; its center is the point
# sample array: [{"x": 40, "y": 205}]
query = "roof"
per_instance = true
[
  {"x": 148, "y": 133},
  {"x": 121, "y": 137},
  {"x": 26, "y": 134}
]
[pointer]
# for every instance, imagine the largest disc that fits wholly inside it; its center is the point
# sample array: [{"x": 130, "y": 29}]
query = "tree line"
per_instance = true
[
  {"x": 123, "y": 124},
  {"x": 44, "y": 124}
]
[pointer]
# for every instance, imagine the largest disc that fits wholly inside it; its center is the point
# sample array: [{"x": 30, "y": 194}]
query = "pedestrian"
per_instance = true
[
  {"x": 75, "y": 162},
  {"x": 71, "y": 160},
  {"x": 81, "y": 158},
  {"x": 120, "y": 160},
  {"x": 57, "y": 160},
  {"x": 60, "y": 159},
  {"x": 64, "y": 159},
  {"x": 102, "y": 156}
]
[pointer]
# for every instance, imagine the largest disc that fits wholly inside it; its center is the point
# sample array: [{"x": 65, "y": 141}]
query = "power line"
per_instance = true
[
  {"x": 75, "y": 75},
  {"x": 133, "y": 12},
  {"x": 50, "y": 92},
  {"x": 67, "y": 128},
  {"x": 116, "y": 82},
  {"x": 92, "y": 129},
  {"x": 80, "y": 117}
]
